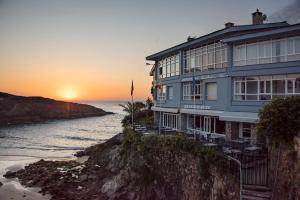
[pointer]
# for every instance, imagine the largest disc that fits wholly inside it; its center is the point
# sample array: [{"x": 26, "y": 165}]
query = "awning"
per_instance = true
[
  {"x": 201, "y": 112},
  {"x": 161, "y": 109},
  {"x": 239, "y": 117}
]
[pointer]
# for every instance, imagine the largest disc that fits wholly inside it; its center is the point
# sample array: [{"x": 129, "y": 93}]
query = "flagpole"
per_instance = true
[
  {"x": 132, "y": 110},
  {"x": 132, "y": 105}
]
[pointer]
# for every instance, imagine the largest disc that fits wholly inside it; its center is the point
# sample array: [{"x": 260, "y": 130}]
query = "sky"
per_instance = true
[{"x": 92, "y": 49}]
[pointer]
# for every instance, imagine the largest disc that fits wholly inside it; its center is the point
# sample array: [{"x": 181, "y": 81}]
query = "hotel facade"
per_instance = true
[{"x": 216, "y": 84}]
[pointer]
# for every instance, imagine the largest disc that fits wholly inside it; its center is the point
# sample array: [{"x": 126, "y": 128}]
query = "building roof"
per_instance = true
[
  {"x": 214, "y": 35},
  {"x": 289, "y": 29}
]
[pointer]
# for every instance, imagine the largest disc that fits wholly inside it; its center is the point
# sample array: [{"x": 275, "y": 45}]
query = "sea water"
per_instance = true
[{"x": 59, "y": 138}]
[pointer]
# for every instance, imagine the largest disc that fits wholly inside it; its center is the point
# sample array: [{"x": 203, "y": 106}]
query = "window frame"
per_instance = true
[
  {"x": 262, "y": 90},
  {"x": 240, "y": 58}
]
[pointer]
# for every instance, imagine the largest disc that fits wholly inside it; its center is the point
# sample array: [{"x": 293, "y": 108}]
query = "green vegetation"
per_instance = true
[
  {"x": 149, "y": 146},
  {"x": 280, "y": 120},
  {"x": 142, "y": 113}
]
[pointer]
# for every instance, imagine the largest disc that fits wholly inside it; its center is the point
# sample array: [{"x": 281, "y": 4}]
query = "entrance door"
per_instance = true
[{"x": 206, "y": 126}]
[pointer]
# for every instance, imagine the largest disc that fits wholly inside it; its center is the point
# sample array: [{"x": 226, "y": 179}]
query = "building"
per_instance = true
[{"x": 235, "y": 71}]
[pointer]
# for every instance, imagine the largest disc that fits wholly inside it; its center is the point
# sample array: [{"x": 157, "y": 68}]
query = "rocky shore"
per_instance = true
[
  {"x": 21, "y": 110},
  {"x": 131, "y": 166}
]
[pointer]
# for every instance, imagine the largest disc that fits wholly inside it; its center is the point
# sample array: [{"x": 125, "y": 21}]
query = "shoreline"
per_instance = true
[
  {"x": 40, "y": 121},
  {"x": 13, "y": 189}
]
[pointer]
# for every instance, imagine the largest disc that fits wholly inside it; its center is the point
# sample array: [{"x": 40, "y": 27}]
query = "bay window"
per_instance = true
[
  {"x": 169, "y": 66},
  {"x": 266, "y": 87},
  {"x": 205, "y": 57},
  {"x": 270, "y": 51}
]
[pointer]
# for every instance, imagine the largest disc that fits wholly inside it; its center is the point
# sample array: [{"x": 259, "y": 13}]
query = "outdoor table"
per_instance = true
[
  {"x": 227, "y": 150},
  {"x": 216, "y": 138},
  {"x": 210, "y": 144},
  {"x": 238, "y": 143},
  {"x": 253, "y": 148}
]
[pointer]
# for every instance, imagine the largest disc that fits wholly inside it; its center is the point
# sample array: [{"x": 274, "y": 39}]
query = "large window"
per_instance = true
[
  {"x": 271, "y": 51},
  {"x": 262, "y": 88},
  {"x": 170, "y": 121},
  {"x": 206, "y": 124},
  {"x": 170, "y": 93},
  {"x": 211, "y": 56},
  {"x": 162, "y": 92},
  {"x": 188, "y": 93},
  {"x": 169, "y": 66},
  {"x": 211, "y": 91},
  {"x": 244, "y": 130}
]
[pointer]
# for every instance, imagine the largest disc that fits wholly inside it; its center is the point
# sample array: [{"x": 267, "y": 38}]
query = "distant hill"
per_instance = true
[{"x": 19, "y": 109}]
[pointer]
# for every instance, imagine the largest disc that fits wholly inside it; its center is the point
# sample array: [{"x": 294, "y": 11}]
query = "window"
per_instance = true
[
  {"x": 206, "y": 124},
  {"x": 170, "y": 93},
  {"x": 170, "y": 121},
  {"x": 161, "y": 93},
  {"x": 211, "y": 91},
  {"x": 271, "y": 51},
  {"x": 266, "y": 87},
  {"x": 169, "y": 66},
  {"x": 205, "y": 57},
  {"x": 245, "y": 130},
  {"x": 188, "y": 93}
]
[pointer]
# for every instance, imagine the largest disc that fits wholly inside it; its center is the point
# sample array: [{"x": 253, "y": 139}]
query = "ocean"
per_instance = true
[
  {"x": 52, "y": 140},
  {"x": 59, "y": 139}
]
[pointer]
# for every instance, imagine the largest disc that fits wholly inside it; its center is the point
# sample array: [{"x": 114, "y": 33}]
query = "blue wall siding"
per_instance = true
[{"x": 224, "y": 79}]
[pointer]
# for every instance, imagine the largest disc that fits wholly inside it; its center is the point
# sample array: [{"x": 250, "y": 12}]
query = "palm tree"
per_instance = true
[
  {"x": 135, "y": 107},
  {"x": 149, "y": 103}
]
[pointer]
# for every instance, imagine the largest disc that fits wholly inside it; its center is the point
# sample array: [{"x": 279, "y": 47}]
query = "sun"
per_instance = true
[{"x": 69, "y": 94}]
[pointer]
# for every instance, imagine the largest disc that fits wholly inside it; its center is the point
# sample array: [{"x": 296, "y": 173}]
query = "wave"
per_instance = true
[
  {"x": 79, "y": 138},
  {"x": 38, "y": 157},
  {"x": 44, "y": 148},
  {"x": 11, "y": 137}
]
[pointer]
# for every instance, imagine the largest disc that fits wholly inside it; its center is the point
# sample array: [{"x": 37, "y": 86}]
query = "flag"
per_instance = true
[
  {"x": 132, "y": 88},
  {"x": 160, "y": 87},
  {"x": 193, "y": 85}
]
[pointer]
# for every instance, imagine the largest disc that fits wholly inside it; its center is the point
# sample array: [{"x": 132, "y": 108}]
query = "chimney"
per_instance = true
[
  {"x": 258, "y": 17},
  {"x": 190, "y": 38},
  {"x": 229, "y": 24}
]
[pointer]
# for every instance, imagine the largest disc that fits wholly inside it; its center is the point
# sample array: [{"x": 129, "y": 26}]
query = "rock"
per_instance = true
[
  {"x": 10, "y": 174},
  {"x": 83, "y": 177},
  {"x": 19, "y": 109},
  {"x": 21, "y": 171},
  {"x": 1, "y": 184}
]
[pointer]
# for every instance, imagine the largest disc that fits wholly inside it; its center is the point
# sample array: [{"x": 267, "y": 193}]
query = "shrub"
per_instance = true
[{"x": 280, "y": 120}]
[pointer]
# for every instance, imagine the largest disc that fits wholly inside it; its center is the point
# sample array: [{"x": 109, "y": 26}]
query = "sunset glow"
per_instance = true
[
  {"x": 91, "y": 50},
  {"x": 69, "y": 94}
]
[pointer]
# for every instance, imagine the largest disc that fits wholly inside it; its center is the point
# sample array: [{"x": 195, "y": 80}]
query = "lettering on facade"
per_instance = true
[{"x": 199, "y": 107}]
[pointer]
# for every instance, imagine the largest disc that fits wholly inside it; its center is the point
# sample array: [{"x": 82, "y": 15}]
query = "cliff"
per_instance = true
[
  {"x": 131, "y": 166},
  {"x": 285, "y": 170},
  {"x": 19, "y": 109}
]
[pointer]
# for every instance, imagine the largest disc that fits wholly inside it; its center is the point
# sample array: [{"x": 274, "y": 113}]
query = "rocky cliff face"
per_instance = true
[
  {"x": 135, "y": 167},
  {"x": 18, "y": 109},
  {"x": 285, "y": 170}
]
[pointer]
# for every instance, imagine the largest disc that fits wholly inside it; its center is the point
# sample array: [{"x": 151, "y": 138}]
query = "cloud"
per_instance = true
[{"x": 290, "y": 13}]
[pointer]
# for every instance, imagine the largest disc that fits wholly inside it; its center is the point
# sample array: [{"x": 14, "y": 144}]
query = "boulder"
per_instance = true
[{"x": 10, "y": 174}]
